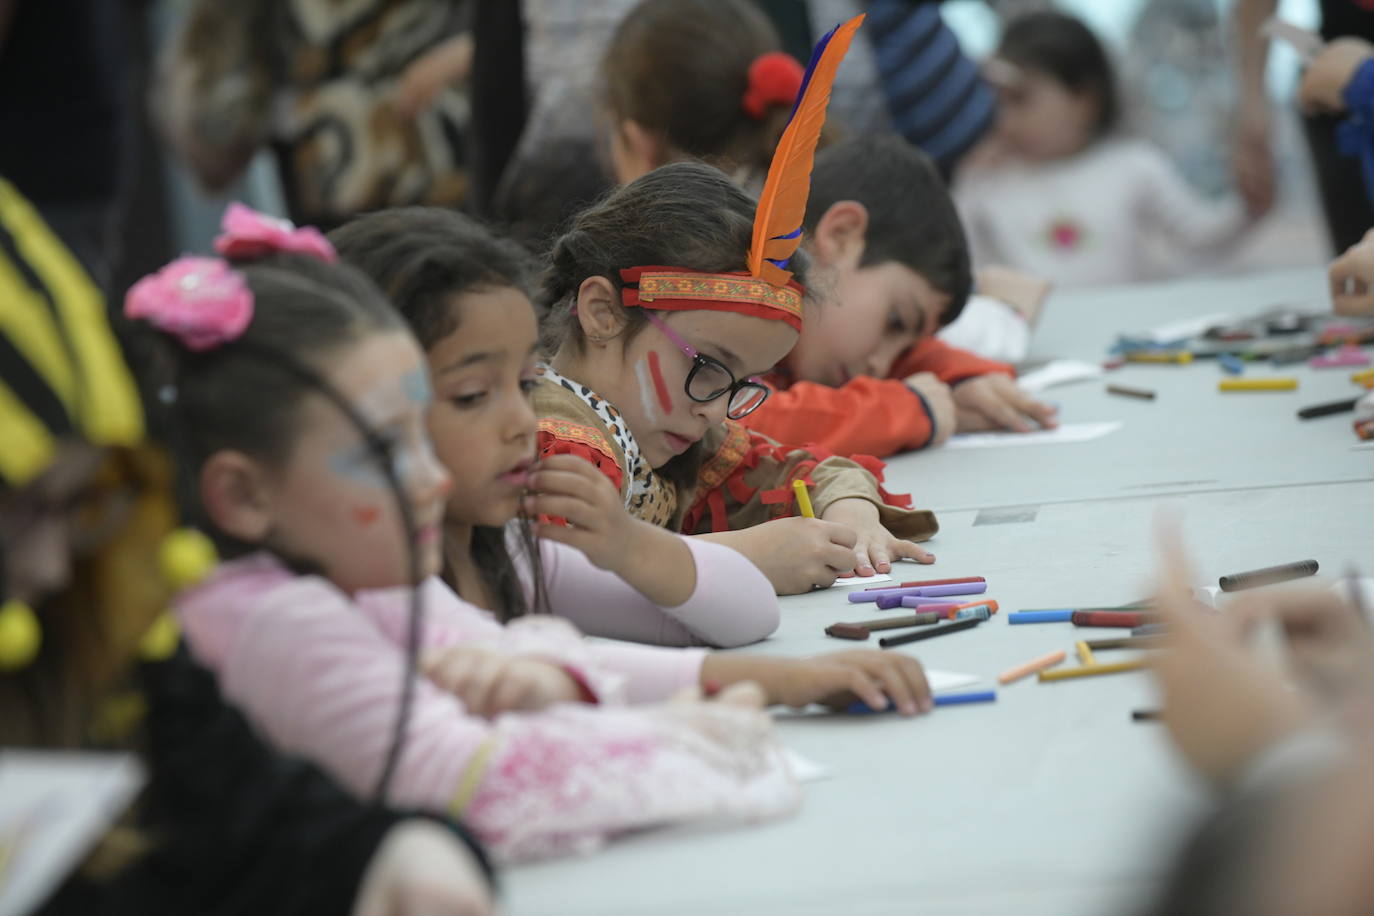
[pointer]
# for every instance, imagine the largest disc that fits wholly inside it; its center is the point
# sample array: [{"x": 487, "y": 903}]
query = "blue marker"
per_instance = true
[
  {"x": 860, "y": 708},
  {"x": 1064, "y": 616},
  {"x": 1231, "y": 363}
]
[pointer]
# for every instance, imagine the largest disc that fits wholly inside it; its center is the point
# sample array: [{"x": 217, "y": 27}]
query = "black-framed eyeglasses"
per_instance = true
[{"x": 709, "y": 379}]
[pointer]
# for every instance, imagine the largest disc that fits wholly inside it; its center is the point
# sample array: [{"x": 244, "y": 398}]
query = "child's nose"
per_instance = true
[
  {"x": 714, "y": 412},
  {"x": 522, "y": 422}
]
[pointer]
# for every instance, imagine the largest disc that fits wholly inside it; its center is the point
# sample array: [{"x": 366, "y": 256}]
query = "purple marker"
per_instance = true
[
  {"x": 927, "y": 604},
  {"x": 961, "y": 588},
  {"x": 875, "y": 594},
  {"x": 887, "y": 602}
]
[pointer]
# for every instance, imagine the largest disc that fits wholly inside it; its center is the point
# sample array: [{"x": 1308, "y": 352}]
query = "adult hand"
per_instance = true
[{"x": 1351, "y": 276}]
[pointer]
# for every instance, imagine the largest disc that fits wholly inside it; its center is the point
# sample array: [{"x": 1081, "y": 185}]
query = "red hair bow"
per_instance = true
[{"x": 774, "y": 79}]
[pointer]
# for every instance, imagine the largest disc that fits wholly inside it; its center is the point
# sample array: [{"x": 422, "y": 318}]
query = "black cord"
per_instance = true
[{"x": 381, "y": 451}]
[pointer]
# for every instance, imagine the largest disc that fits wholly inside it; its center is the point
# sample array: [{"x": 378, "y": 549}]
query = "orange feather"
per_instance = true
[{"x": 782, "y": 205}]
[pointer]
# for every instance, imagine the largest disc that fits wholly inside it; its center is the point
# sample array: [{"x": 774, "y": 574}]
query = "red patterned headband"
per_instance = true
[{"x": 738, "y": 291}]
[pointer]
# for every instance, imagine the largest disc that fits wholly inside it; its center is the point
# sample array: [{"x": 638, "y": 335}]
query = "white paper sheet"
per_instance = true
[
  {"x": 860, "y": 580},
  {"x": 1069, "y": 432},
  {"x": 1058, "y": 372},
  {"x": 53, "y": 807},
  {"x": 949, "y": 680},
  {"x": 804, "y": 768},
  {"x": 1188, "y": 327}
]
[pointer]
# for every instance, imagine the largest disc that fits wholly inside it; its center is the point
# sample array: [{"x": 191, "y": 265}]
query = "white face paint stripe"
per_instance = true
[{"x": 646, "y": 392}]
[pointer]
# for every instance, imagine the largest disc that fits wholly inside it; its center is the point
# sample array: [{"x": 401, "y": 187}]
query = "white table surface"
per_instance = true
[{"x": 1050, "y": 801}]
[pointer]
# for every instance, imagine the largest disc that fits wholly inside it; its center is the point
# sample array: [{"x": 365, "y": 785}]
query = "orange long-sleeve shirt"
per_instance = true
[{"x": 866, "y": 415}]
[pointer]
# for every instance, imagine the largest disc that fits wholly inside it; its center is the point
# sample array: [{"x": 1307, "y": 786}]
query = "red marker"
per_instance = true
[{"x": 927, "y": 582}]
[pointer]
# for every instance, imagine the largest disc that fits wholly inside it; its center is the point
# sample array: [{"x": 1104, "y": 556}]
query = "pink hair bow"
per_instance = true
[
  {"x": 203, "y": 302},
  {"x": 250, "y": 234}
]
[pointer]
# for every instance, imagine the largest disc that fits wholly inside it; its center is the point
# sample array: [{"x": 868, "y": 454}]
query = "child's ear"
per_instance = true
[
  {"x": 234, "y": 493},
  {"x": 599, "y": 311},
  {"x": 840, "y": 235}
]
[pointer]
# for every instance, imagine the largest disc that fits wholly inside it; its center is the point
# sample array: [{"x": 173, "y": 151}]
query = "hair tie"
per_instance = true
[
  {"x": 203, "y": 302},
  {"x": 250, "y": 234},
  {"x": 775, "y": 78}
]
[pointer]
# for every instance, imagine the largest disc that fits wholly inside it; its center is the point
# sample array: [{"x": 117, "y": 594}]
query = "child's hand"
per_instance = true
[
  {"x": 836, "y": 679},
  {"x": 940, "y": 401},
  {"x": 875, "y": 547},
  {"x": 994, "y": 401},
  {"x": 1324, "y": 81},
  {"x": 796, "y": 554},
  {"x": 491, "y": 683},
  {"x": 653, "y": 560},
  {"x": 422, "y": 869},
  {"x": 1330, "y": 648},
  {"x": 569, "y": 487},
  {"x": 1222, "y": 705}
]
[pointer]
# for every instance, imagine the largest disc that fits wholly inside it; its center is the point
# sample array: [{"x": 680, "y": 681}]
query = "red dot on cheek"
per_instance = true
[{"x": 366, "y": 515}]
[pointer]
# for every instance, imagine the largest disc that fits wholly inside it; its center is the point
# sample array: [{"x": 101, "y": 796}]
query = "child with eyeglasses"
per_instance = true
[{"x": 651, "y": 368}]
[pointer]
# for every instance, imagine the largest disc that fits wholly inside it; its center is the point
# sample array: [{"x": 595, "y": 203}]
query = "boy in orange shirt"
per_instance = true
[{"x": 868, "y": 375}]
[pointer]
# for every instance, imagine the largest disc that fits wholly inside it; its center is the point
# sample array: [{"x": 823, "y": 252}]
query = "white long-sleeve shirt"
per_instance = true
[{"x": 1091, "y": 218}]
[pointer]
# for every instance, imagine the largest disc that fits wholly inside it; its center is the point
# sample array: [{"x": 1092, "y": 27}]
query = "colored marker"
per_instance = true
[
  {"x": 1031, "y": 667},
  {"x": 949, "y": 610},
  {"x": 1280, "y": 383},
  {"x": 803, "y": 498},
  {"x": 1124, "y": 642},
  {"x": 891, "y": 623},
  {"x": 1062, "y": 674},
  {"x": 981, "y": 612},
  {"x": 1181, "y": 357},
  {"x": 924, "y": 582},
  {"x": 1267, "y": 576},
  {"x": 1112, "y": 618},
  {"x": 847, "y": 631},
  {"x": 860, "y": 708},
  {"x": 1231, "y": 363},
  {"x": 1364, "y": 375},
  {"x": 1145, "y": 715},
  {"x": 1144, "y": 394},
  {"x": 1341, "y": 359},
  {"x": 1063, "y": 616},
  {"x": 1085, "y": 654},
  {"x": 1327, "y": 409},
  {"x": 919, "y": 591},
  {"x": 928, "y": 634}
]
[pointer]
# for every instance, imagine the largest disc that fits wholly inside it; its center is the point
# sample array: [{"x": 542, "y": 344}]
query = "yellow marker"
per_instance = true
[
  {"x": 1060, "y": 674},
  {"x": 1085, "y": 654},
  {"x": 803, "y": 498},
  {"x": 1182, "y": 357},
  {"x": 1286, "y": 383},
  {"x": 1364, "y": 376}
]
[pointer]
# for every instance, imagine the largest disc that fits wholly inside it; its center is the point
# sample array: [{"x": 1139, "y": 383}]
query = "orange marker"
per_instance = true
[
  {"x": 991, "y": 606},
  {"x": 1030, "y": 667}
]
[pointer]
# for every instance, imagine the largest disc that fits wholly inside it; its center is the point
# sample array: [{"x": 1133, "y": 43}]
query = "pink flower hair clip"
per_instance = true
[
  {"x": 250, "y": 234},
  {"x": 203, "y": 302}
]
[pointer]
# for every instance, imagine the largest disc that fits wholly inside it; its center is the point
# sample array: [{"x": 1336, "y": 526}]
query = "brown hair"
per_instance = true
[
  {"x": 680, "y": 68},
  {"x": 685, "y": 214}
]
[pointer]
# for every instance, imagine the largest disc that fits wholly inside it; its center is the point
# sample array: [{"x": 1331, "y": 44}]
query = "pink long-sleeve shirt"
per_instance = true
[{"x": 320, "y": 673}]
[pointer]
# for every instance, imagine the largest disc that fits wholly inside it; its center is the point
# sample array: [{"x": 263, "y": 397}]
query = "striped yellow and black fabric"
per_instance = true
[{"x": 61, "y": 370}]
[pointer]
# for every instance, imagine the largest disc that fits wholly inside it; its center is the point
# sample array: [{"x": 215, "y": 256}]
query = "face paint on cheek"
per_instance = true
[
  {"x": 366, "y": 516},
  {"x": 646, "y": 400},
  {"x": 660, "y": 386},
  {"x": 416, "y": 386}
]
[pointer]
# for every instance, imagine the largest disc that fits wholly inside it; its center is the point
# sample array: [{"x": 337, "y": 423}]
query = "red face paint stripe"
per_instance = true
[{"x": 660, "y": 387}]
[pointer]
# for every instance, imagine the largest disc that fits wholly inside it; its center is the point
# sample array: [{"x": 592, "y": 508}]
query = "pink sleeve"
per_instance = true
[
  {"x": 319, "y": 679},
  {"x": 733, "y": 604}
]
